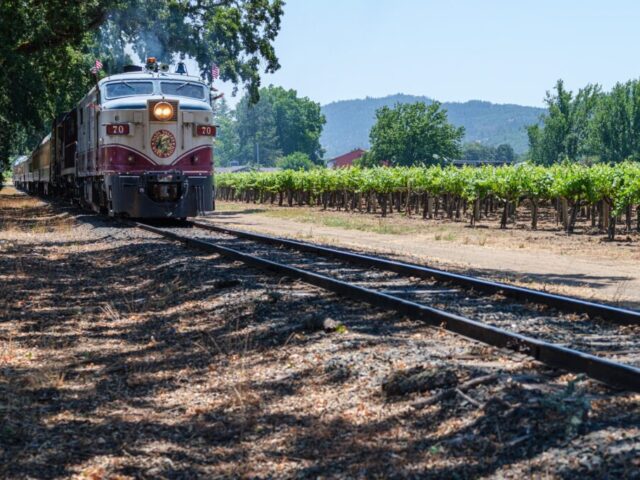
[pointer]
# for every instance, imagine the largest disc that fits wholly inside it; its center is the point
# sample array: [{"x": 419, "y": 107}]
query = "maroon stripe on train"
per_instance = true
[{"x": 115, "y": 158}]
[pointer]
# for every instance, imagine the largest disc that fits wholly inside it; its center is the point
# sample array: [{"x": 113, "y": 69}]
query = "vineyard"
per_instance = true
[{"x": 602, "y": 194}]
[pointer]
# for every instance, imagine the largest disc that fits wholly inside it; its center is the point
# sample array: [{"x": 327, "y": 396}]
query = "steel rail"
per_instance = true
[
  {"x": 561, "y": 302},
  {"x": 606, "y": 371}
]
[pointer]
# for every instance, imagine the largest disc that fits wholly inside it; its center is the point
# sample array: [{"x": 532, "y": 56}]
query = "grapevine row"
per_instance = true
[{"x": 604, "y": 194}]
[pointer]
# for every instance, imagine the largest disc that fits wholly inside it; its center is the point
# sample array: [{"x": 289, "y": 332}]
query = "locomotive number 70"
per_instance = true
[
  {"x": 118, "y": 129},
  {"x": 206, "y": 130}
]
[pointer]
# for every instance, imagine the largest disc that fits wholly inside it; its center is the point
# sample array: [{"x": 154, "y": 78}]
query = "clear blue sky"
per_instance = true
[{"x": 505, "y": 51}]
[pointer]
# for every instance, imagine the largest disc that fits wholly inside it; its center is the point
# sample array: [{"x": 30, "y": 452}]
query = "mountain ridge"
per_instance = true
[{"x": 349, "y": 121}]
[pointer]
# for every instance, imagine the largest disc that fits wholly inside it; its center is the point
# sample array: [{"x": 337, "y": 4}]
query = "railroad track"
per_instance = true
[{"x": 600, "y": 341}]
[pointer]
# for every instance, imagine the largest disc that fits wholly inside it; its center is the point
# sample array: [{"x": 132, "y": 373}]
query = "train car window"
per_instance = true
[
  {"x": 127, "y": 89},
  {"x": 182, "y": 89}
]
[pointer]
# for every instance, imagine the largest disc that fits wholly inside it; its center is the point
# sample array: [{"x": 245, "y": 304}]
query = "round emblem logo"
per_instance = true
[{"x": 163, "y": 143}]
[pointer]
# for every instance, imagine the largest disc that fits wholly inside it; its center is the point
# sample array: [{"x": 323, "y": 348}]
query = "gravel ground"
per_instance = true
[
  {"x": 620, "y": 343},
  {"x": 126, "y": 356}
]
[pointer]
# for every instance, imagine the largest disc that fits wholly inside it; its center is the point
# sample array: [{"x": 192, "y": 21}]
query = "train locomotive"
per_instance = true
[{"x": 139, "y": 144}]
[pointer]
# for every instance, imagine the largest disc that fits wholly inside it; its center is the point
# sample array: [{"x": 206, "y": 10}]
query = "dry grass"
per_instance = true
[
  {"x": 21, "y": 214},
  {"x": 549, "y": 238},
  {"x": 348, "y": 222}
]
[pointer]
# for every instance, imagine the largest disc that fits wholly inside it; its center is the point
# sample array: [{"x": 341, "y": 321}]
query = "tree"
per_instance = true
[
  {"x": 299, "y": 122},
  {"x": 615, "y": 132},
  {"x": 564, "y": 133},
  {"x": 226, "y": 149},
  {"x": 414, "y": 134},
  {"x": 477, "y": 152},
  {"x": 47, "y": 48},
  {"x": 257, "y": 135},
  {"x": 280, "y": 123},
  {"x": 504, "y": 153},
  {"x": 295, "y": 161}
]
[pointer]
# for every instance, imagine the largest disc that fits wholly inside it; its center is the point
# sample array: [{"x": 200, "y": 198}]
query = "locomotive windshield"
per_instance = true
[
  {"x": 129, "y": 88},
  {"x": 126, "y": 89},
  {"x": 183, "y": 89}
]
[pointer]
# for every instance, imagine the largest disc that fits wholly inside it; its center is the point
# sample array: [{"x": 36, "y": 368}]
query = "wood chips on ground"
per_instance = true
[{"x": 125, "y": 356}]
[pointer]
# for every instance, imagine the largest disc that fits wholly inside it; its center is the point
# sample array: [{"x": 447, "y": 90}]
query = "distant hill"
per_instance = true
[{"x": 349, "y": 122}]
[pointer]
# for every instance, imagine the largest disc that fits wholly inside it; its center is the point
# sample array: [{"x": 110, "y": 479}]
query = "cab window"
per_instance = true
[
  {"x": 182, "y": 89},
  {"x": 128, "y": 88}
]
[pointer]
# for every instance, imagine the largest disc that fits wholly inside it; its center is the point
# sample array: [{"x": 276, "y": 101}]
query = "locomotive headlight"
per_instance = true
[{"x": 163, "y": 111}]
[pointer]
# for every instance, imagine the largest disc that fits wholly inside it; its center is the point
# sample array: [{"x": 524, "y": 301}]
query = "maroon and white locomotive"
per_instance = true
[{"x": 139, "y": 144}]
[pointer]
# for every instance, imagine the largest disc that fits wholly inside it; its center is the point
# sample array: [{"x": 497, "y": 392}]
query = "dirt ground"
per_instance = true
[
  {"x": 126, "y": 356},
  {"x": 582, "y": 265}
]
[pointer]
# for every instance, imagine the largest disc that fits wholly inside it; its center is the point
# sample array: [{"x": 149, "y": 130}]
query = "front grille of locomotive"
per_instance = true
[
  {"x": 165, "y": 192},
  {"x": 165, "y": 188}
]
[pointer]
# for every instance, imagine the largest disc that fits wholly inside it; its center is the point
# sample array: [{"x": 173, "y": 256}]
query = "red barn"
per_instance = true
[{"x": 346, "y": 160}]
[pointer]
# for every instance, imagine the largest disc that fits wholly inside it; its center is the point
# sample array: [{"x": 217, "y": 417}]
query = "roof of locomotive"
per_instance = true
[{"x": 146, "y": 75}]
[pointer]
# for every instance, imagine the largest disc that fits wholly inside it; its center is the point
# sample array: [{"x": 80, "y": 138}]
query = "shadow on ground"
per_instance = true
[{"x": 144, "y": 359}]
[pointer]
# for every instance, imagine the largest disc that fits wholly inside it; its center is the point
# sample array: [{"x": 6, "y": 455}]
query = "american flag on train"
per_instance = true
[
  {"x": 215, "y": 71},
  {"x": 96, "y": 67}
]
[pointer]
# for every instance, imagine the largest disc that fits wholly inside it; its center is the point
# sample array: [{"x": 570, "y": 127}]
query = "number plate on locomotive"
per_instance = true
[
  {"x": 206, "y": 130},
  {"x": 118, "y": 129}
]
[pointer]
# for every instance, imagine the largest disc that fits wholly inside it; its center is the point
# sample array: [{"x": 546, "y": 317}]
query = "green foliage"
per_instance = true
[
  {"x": 619, "y": 185},
  {"x": 478, "y": 152},
  {"x": 47, "y": 48},
  {"x": 281, "y": 123},
  {"x": 256, "y": 131},
  {"x": 227, "y": 142},
  {"x": 295, "y": 161},
  {"x": 349, "y": 122},
  {"x": 565, "y": 130},
  {"x": 589, "y": 126},
  {"x": 505, "y": 153},
  {"x": 237, "y": 35},
  {"x": 616, "y": 124},
  {"x": 414, "y": 134}
]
